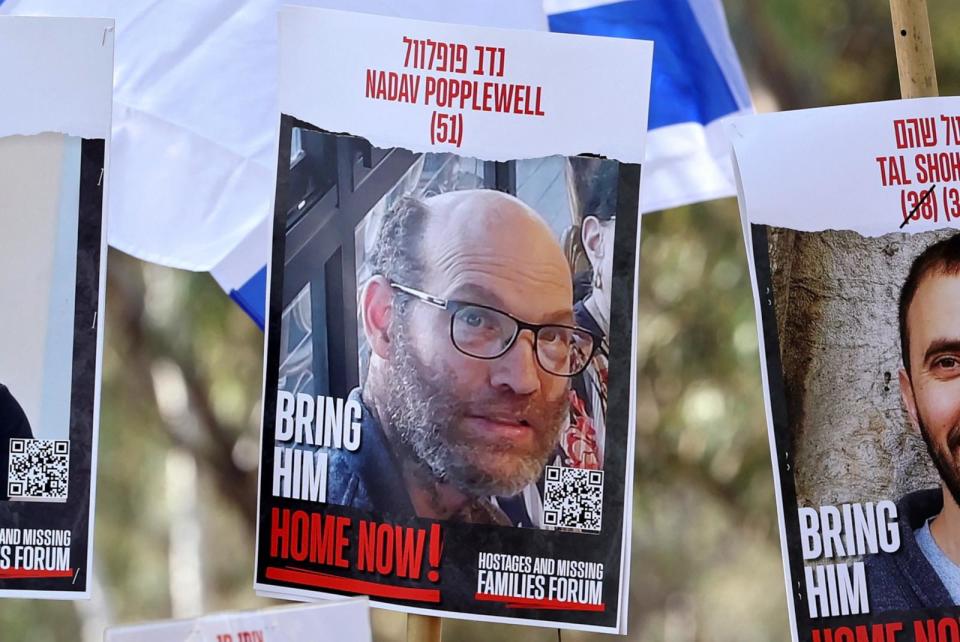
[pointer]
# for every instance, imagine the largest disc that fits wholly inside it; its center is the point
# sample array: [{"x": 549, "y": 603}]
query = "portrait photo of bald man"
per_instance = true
[{"x": 474, "y": 341}]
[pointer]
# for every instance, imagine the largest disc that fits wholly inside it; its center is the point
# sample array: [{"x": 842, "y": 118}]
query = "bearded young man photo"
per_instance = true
[
  {"x": 925, "y": 571},
  {"x": 473, "y": 344}
]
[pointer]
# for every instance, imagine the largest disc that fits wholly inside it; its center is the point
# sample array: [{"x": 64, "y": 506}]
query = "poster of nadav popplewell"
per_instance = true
[{"x": 448, "y": 424}]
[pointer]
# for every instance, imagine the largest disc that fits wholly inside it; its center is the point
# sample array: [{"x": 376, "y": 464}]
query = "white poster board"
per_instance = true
[
  {"x": 343, "y": 620},
  {"x": 473, "y": 136},
  {"x": 851, "y": 216},
  {"x": 57, "y": 78}
]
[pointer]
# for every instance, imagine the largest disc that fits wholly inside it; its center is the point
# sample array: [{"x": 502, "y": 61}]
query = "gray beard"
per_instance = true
[{"x": 424, "y": 415}]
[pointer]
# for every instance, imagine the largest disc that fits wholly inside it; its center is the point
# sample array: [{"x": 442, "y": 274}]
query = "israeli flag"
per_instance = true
[{"x": 697, "y": 83}]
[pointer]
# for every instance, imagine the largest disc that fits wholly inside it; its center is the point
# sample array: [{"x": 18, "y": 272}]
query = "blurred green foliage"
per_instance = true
[
  {"x": 705, "y": 558},
  {"x": 706, "y": 561}
]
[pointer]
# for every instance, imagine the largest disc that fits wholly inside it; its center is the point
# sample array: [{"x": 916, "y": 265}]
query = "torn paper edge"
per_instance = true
[
  {"x": 57, "y": 76},
  {"x": 592, "y": 106},
  {"x": 788, "y": 158}
]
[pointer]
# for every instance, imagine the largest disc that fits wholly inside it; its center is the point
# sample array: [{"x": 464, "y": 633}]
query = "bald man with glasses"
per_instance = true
[{"x": 473, "y": 344}]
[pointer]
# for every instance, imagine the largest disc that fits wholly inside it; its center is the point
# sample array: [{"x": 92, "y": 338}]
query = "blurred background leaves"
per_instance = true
[{"x": 176, "y": 493}]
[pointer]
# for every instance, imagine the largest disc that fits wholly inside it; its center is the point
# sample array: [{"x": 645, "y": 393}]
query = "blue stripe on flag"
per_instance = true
[
  {"x": 688, "y": 84},
  {"x": 252, "y": 295}
]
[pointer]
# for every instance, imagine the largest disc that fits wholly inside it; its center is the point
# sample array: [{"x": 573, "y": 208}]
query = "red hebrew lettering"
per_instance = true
[
  {"x": 951, "y": 125},
  {"x": 915, "y": 132}
]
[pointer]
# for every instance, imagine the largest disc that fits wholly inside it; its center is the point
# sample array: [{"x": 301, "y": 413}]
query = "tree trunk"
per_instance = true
[{"x": 836, "y": 296}]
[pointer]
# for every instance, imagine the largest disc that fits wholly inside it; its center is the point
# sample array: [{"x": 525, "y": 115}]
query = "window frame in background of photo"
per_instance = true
[{"x": 335, "y": 181}]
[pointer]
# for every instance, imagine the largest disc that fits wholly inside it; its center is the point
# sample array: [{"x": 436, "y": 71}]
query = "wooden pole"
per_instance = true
[
  {"x": 911, "y": 33},
  {"x": 423, "y": 628}
]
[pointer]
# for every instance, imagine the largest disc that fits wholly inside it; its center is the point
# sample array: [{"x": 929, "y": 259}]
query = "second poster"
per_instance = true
[{"x": 448, "y": 424}]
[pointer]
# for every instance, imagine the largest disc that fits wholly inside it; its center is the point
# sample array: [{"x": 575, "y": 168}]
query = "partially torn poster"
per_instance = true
[
  {"x": 345, "y": 619},
  {"x": 57, "y": 78},
  {"x": 448, "y": 420},
  {"x": 852, "y": 220}
]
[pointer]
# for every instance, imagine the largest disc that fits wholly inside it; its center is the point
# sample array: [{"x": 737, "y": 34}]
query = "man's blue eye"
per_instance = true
[{"x": 474, "y": 319}]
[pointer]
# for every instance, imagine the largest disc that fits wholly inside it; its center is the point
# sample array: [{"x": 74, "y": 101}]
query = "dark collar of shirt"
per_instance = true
[
  {"x": 369, "y": 478},
  {"x": 905, "y": 580}
]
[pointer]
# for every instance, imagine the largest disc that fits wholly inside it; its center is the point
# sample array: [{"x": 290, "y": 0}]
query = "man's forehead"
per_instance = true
[
  {"x": 498, "y": 250},
  {"x": 557, "y": 310},
  {"x": 937, "y": 282},
  {"x": 936, "y": 302},
  {"x": 535, "y": 293},
  {"x": 475, "y": 211},
  {"x": 476, "y": 223}
]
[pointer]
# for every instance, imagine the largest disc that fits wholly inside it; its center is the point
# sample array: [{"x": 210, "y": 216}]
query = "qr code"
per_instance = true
[
  {"x": 39, "y": 470},
  {"x": 573, "y": 498}
]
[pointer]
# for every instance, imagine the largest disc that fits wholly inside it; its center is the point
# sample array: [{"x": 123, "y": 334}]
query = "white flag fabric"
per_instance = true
[{"x": 195, "y": 115}]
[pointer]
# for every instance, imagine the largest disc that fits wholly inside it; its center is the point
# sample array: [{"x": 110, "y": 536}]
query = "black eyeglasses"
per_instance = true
[{"x": 484, "y": 332}]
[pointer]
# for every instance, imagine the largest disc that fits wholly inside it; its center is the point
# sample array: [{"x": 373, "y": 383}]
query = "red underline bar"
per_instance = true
[
  {"x": 349, "y": 585},
  {"x": 532, "y": 603},
  {"x": 22, "y": 574}
]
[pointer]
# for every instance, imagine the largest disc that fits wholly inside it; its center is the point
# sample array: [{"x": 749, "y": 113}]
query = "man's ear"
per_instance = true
[
  {"x": 906, "y": 394},
  {"x": 376, "y": 305},
  {"x": 591, "y": 233}
]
